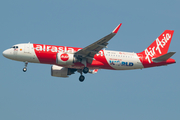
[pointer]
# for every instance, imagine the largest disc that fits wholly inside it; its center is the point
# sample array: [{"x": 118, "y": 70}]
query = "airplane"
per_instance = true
[{"x": 66, "y": 61}]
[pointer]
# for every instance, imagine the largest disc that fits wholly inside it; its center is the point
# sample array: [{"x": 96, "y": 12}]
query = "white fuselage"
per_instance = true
[{"x": 117, "y": 60}]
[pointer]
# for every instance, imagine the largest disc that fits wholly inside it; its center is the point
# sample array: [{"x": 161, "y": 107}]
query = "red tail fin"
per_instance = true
[{"x": 159, "y": 47}]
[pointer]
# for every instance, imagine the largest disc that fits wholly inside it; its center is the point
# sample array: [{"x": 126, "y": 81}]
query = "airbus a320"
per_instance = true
[{"x": 66, "y": 61}]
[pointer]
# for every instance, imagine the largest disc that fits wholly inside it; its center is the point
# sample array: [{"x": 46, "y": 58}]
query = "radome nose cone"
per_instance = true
[{"x": 6, "y": 53}]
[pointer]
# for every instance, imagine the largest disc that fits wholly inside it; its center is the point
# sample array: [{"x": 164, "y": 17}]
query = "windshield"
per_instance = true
[{"x": 14, "y": 47}]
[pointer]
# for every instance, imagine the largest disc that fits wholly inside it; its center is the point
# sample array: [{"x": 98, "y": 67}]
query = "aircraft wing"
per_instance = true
[{"x": 89, "y": 51}]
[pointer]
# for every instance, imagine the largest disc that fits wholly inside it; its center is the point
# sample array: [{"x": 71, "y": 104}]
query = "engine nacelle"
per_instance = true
[
  {"x": 65, "y": 59},
  {"x": 59, "y": 71}
]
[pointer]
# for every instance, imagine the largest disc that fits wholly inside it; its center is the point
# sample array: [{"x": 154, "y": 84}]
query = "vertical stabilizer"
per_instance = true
[{"x": 159, "y": 47}]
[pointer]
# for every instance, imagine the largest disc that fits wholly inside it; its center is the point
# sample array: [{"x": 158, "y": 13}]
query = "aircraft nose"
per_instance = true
[{"x": 6, "y": 53}]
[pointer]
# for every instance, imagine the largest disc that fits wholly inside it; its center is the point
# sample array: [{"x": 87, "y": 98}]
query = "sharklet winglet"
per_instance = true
[{"x": 117, "y": 28}]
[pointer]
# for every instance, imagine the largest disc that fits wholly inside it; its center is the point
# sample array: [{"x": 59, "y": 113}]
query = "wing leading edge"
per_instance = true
[{"x": 89, "y": 51}]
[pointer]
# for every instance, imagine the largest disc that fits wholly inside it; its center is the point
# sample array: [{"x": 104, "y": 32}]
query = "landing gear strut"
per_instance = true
[
  {"x": 25, "y": 68},
  {"x": 84, "y": 70}
]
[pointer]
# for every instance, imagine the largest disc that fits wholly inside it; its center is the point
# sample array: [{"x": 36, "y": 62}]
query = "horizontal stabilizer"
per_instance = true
[{"x": 163, "y": 57}]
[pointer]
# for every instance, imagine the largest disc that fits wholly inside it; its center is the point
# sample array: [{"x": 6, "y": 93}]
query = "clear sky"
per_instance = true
[{"x": 148, "y": 94}]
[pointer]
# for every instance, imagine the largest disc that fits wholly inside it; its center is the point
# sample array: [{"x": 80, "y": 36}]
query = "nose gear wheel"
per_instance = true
[{"x": 25, "y": 68}]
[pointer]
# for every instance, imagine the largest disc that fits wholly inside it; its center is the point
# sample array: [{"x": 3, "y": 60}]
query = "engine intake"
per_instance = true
[{"x": 65, "y": 59}]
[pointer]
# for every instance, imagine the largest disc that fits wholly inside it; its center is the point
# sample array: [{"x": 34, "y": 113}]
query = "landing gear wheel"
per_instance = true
[
  {"x": 81, "y": 78},
  {"x": 24, "y": 69},
  {"x": 85, "y": 70}
]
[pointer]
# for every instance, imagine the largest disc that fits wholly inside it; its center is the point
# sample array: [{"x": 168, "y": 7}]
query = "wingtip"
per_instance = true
[{"x": 117, "y": 28}]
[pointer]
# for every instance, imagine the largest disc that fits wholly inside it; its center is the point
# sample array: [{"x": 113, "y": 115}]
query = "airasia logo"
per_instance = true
[
  {"x": 160, "y": 44},
  {"x": 64, "y": 57}
]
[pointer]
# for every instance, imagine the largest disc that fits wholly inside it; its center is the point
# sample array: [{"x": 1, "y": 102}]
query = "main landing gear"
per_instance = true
[
  {"x": 81, "y": 78},
  {"x": 25, "y": 68},
  {"x": 84, "y": 70}
]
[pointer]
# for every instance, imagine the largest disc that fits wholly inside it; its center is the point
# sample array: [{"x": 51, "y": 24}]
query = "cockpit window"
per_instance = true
[{"x": 14, "y": 47}]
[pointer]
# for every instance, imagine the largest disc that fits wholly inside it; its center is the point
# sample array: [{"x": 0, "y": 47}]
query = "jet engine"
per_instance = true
[
  {"x": 59, "y": 71},
  {"x": 65, "y": 59}
]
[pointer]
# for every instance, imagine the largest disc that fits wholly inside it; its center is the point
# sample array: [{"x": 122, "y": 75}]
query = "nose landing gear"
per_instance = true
[{"x": 25, "y": 68}]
